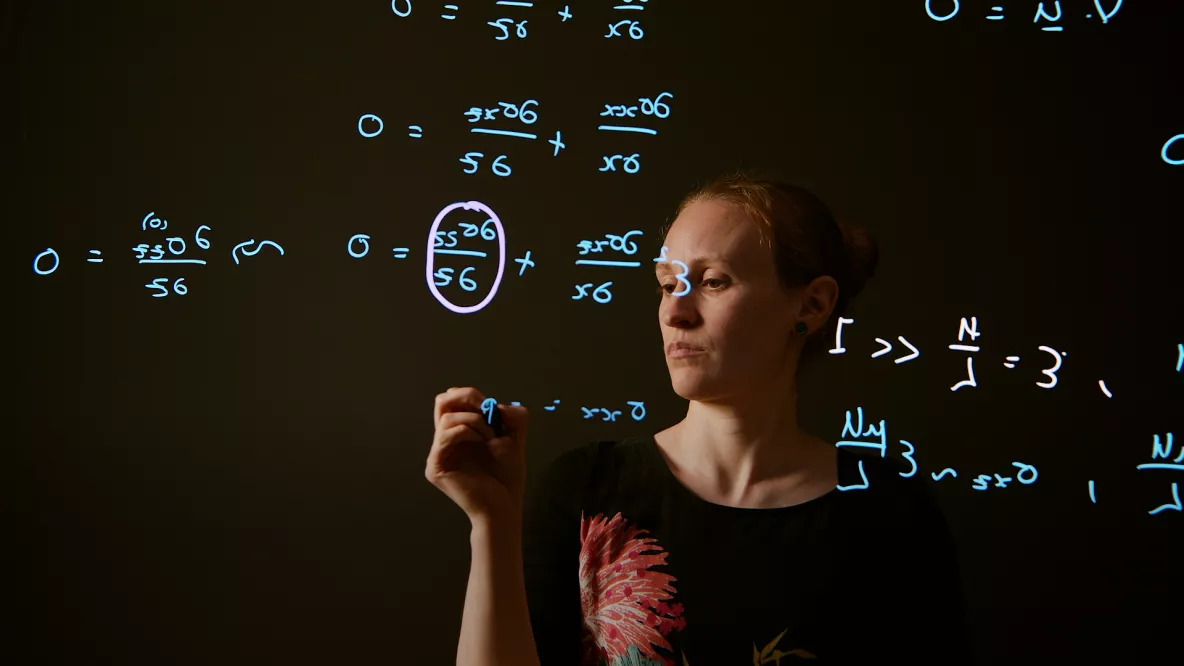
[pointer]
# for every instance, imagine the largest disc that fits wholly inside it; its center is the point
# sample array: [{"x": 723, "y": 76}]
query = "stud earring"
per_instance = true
[{"x": 801, "y": 328}]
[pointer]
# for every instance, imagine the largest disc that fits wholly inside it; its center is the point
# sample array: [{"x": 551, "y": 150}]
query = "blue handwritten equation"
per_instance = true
[
  {"x": 512, "y": 19},
  {"x": 1047, "y": 16},
  {"x": 623, "y": 244},
  {"x": 515, "y": 121},
  {"x": 465, "y": 262},
  {"x": 172, "y": 251},
  {"x": 1161, "y": 461},
  {"x": 856, "y": 435},
  {"x": 1165, "y": 464},
  {"x": 636, "y": 410},
  {"x": 874, "y": 435},
  {"x": 524, "y": 113}
]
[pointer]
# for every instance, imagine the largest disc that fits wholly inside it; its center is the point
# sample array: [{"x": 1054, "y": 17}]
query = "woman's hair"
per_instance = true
[{"x": 801, "y": 232}]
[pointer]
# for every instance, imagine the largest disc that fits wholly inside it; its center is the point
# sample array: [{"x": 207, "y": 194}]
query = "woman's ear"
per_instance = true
[{"x": 817, "y": 301}]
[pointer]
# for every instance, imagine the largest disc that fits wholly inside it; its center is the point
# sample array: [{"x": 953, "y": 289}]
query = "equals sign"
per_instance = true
[
  {"x": 400, "y": 253},
  {"x": 414, "y": 131},
  {"x": 1011, "y": 361},
  {"x": 449, "y": 16},
  {"x": 95, "y": 261}
]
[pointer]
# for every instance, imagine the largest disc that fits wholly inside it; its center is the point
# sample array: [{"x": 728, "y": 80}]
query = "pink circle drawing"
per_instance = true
[{"x": 431, "y": 254}]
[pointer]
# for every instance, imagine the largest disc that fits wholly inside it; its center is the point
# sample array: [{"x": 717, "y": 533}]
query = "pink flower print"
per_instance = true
[{"x": 623, "y": 601}]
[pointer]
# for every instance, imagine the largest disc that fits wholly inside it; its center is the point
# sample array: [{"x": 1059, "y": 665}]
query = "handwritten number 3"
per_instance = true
[
  {"x": 909, "y": 457},
  {"x": 682, "y": 277}
]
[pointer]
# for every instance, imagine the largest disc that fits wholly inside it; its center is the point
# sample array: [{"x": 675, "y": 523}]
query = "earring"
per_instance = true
[{"x": 801, "y": 328}]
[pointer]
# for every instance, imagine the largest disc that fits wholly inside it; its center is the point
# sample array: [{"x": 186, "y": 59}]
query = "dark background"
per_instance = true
[{"x": 235, "y": 475}]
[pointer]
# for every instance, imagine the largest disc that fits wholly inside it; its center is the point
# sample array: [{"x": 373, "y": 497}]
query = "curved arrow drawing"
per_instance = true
[{"x": 250, "y": 253}]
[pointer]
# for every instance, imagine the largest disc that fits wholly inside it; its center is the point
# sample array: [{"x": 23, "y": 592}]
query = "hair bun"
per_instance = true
[{"x": 863, "y": 255}]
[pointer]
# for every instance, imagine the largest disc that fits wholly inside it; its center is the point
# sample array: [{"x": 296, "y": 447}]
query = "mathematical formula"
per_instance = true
[
  {"x": 874, "y": 435},
  {"x": 459, "y": 269},
  {"x": 1017, "y": 473},
  {"x": 518, "y": 120},
  {"x": 1045, "y": 15},
  {"x": 636, "y": 410},
  {"x": 625, "y": 23},
  {"x": 515, "y": 27}
]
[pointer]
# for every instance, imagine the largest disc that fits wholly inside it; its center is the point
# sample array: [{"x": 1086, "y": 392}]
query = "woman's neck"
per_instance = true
[{"x": 748, "y": 453}]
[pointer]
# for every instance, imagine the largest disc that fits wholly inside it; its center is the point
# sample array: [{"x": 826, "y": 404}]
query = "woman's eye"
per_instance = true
[{"x": 713, "y": 283}]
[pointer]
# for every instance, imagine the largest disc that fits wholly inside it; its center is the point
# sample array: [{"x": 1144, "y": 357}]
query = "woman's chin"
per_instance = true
[{"x": 691, "y": 386}]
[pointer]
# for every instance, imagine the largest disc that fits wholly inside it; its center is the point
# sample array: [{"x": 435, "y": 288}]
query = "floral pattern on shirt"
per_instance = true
[{"x": 625, "y": 604}]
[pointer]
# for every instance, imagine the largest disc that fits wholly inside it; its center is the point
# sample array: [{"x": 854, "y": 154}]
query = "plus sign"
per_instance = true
[
  {"x": 526, "y": 262},
  {"x": 557, "y": 142}
]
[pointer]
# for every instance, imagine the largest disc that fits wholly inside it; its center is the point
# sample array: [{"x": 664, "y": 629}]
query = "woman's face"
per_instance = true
[{"x": 735, "y": 311}]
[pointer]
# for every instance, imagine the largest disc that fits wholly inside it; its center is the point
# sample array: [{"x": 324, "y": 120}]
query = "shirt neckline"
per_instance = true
[{"x": 651, "y": 449}]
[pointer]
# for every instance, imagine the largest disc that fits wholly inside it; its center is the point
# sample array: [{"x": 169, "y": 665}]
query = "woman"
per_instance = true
[{"x": 733, "y": 536}]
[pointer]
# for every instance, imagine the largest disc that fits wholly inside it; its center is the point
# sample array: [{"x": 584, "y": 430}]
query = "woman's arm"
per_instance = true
[{"x": 495, "y": 628}]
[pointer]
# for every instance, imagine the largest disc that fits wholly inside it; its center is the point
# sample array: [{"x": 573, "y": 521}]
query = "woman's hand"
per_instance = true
[{"x": 485, "y": 475}]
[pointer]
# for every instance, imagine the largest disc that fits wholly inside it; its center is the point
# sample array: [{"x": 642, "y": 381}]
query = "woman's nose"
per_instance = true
[{"x": 678, "y": 310}]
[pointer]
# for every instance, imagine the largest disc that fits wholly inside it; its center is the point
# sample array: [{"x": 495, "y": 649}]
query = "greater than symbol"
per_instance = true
[{"x": 888, "y": 347}]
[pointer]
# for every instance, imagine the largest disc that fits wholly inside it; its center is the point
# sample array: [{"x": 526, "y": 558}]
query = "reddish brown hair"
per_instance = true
[{"x": 801, "y": 232}]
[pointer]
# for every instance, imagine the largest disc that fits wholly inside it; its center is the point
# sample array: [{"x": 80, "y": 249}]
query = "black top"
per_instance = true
[{"x": 864, "y": 574}]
